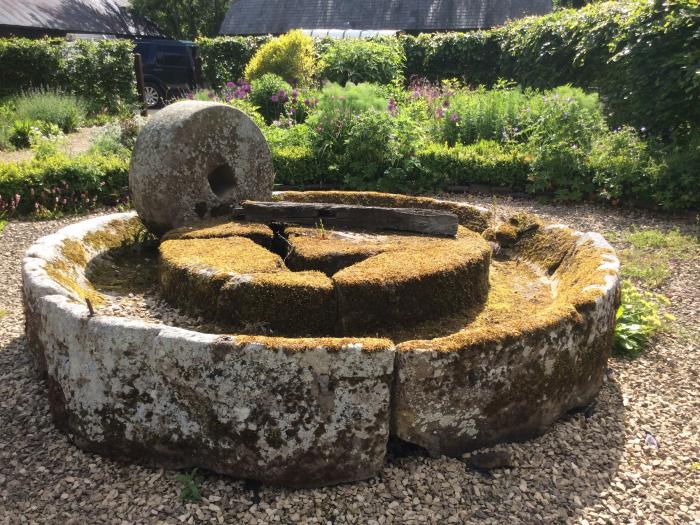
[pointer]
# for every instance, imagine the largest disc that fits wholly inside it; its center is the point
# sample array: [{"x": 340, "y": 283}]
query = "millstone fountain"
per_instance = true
[{"x": 310, "y": 326}]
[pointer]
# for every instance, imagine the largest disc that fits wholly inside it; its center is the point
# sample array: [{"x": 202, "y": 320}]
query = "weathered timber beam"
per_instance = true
[{"x": 414, "y": 220}]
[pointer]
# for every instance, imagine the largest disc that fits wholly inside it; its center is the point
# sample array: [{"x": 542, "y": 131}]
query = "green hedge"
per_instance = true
[
  {"x": 62, "y": 184},
  {"x": 101, "y": 72},
  {"x": 641, "y": 56},
  {"x": 485, "y": 162},
  {"x": 224, "y": 58},
  {"x": 295, "y": 165}
]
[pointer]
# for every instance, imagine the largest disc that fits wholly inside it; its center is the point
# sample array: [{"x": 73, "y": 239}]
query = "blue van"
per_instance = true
[{"x": 169, "y": 69}]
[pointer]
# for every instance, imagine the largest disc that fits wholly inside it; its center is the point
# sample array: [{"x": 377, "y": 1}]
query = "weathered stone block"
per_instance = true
[{"x": 194, "y": 160}]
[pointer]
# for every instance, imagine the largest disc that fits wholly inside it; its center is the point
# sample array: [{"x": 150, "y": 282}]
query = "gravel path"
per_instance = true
[{"x": 594, "y": 469}]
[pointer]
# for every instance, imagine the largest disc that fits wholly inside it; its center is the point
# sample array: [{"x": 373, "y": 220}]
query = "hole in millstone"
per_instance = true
[{"x": 222, "y": 180}]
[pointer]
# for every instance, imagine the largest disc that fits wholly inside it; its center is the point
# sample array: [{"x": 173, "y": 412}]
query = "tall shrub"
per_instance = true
[
  {"x": 26, "y": 63},
  {"x": 101, "y": 72},
  {"x": 224, "y": 58},
  {"x": 291, "y": 56},
  {"x": 380, "y": 61}
]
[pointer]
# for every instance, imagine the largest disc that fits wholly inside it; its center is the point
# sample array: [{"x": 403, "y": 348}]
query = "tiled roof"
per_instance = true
[
  {"x": 75, "y": 16},
  {"x": 247, "y": 17}
]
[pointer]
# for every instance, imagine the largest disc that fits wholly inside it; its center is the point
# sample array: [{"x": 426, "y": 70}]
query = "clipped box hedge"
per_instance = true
[{"x": 60, "y": 183}]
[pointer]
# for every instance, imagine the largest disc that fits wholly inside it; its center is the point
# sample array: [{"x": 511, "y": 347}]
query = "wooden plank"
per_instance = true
[{"x": 416, "y": 220}]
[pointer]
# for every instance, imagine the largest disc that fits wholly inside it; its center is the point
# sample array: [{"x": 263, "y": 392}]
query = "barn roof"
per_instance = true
[
  {"x": 110, "y": 17},
  {"x": 249, "y": 17}
]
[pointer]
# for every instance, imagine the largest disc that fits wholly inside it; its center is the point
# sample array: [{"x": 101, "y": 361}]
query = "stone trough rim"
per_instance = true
[{"x": 53, "y": 242}]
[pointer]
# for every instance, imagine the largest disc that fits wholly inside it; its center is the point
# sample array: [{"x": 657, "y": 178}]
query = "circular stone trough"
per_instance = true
[{"x": 277, "y": 387}]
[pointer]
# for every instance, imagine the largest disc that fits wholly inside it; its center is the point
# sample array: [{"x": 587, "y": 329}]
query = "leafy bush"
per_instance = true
[
  {"x": 290, "y": 56},
  {"x": 6, "y": 124},
  {"x": 471, "y": 57},
  {"x": 358, "y": 60},
  {"x": 638, "y": 319},
  {"x": 270, "y": 93},
  {"x": 65, "y": 111},
  {"x": 338, "y": 107},
  {"x": 622, "y": 166},
  {"x": 296, "y": 165},
  {"x": 24, "y": 130},
  {"x": 224, "y": 58},
  {"x": 228, "y": 96},
  {"x": 29, "y": 63},
  {"x": 559, "y": 127},
  {"x": 678, "y": 179},
  {"x": 469, "y": 116},
  {"x": 62, "y": 184},
  {"x": 118, "y": 138},
  {"x": 102, "y": 72}
]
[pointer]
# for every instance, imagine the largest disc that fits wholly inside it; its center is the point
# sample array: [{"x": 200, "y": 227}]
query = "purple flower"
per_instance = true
[
  {"x": 230, "y": 84},
  {"x": 281, "y": 93},
  {"x": 295, "y": 94},
  {"x": 454, "y": 117},
  {"x": 292, "y": 111},
  {"x": 440, "y": 113},
  {"x": 446, "y": 104},
  {"x": 210, "y": 94},
  {"x": 274, "y": 98}
]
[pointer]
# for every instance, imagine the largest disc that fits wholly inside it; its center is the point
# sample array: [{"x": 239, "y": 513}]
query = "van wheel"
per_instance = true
[{"x": 153, "y": 95}]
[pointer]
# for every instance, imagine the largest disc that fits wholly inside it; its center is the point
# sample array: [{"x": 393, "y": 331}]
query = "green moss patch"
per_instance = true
[
  {"x": 192, "y": 271},
  {"x": 407, "y": 286},
  {"x": 285, "y": 302},
  {"x": 259, "y": 233}
]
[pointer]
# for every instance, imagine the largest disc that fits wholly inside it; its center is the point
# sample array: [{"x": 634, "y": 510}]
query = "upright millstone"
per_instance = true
[{"x": 195, "y": 160}]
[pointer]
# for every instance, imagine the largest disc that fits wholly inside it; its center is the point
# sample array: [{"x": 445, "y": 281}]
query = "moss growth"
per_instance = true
[
  {"x": 335, "y": 250},
  {"x": 577, "y": 283},
  {"x": 67, "y": 276},
  {"x": 192, "y": 271},
  {"x": 472, "y": 217},
  {"x": 546, "y": 248},
  {"x": 259, "y": 233},
  {"x": 286, "y": 302},
  {"x": 301, "y": 344},
  {"x": 412, "y": 284},
  {"x": 219, "y": 255}
]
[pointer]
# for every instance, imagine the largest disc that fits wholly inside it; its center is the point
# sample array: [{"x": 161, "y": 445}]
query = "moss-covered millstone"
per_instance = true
[
  {"x": 333, "y": 283},
  {"x": 310, "y": 411}
]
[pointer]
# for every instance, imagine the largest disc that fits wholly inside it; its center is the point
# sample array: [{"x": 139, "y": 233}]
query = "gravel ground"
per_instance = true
[{"x": 590, "y": 468}]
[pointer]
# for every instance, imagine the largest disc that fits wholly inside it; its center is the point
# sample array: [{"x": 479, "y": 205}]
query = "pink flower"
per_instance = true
[
  {"x": 230, "y": 84},
  {"x": 274, "y": 98},
  {"x": 454, "y": 117}
]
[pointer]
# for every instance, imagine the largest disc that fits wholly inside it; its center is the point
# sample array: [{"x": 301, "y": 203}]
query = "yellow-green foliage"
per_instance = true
[
  {"x": 639, "y": 318},
  {"x": 291, "y": 56}
]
